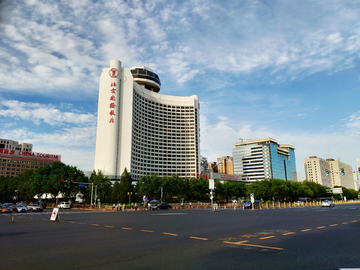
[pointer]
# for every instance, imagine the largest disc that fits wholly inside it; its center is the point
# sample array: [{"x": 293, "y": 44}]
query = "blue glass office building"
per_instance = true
[{"x": 264, "y": 159}]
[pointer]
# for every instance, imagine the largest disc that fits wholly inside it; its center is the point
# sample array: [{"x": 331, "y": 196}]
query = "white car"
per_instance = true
[
  {"x": 327, "y": 204},
  {"x": 64, "y": 205},
  {"x": 34, "y": 207},
  {"x": 20, "y": 208}
]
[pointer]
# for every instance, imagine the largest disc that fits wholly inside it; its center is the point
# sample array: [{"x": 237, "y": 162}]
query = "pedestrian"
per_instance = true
[
  {"x": 136, "y": 206},
  {"x": 113, "y": 207},
  {"x": 149, "y": 206}
]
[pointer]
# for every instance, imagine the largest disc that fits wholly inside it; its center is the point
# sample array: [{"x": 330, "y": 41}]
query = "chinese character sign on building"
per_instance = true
[{"x": 113, "y": 73}]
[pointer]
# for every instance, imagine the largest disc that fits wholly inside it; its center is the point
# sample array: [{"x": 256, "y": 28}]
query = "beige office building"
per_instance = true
[
  {"x": 225, "y": 165},
  {"x": 315, "y": 171},
  {"x": 329, "y": 172}
]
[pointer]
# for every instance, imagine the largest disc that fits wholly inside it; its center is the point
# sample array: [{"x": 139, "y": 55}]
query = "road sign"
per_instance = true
[
  {"x": 252, "y": 197},
  {"x": 211, "y": 184},
  {"x": 54, "y": 214},
  {"x": 81, "y": 185},
  {"x": 144, "y": 198},
  {"x": 337, "y": 190}
]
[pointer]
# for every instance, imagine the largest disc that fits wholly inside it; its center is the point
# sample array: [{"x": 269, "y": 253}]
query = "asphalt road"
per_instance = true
[{"x": 296, "y": 238}]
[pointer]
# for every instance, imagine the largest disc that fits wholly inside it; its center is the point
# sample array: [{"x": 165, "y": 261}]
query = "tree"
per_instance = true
[
  {"x": 317, "y": 189},
  {"x": 125, "y": 186},
  {"x": 25, "y": 185},
  {"x": 149, "y": 185},
  {"x": 115, "y": 196},
  {"x": 103, "y": 186}
]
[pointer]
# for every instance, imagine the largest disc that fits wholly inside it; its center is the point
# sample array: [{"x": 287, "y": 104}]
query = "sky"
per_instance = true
[{"x": 288, "y": 70}]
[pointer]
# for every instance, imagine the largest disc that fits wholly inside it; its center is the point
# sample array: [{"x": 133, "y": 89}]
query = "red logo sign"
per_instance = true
[{"x": 113, "y": 73}]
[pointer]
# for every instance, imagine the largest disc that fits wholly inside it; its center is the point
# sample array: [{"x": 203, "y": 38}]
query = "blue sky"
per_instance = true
[{"x": 289, "y": 70}]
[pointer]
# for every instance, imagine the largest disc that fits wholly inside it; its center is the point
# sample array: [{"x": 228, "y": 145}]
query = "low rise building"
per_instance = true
[{"x": 16, "y": 158}]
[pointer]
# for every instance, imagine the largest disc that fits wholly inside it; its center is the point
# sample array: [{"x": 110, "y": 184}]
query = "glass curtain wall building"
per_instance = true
[
  {"x": 264, "y": 159},
  {"x": 142, "y": 130}
]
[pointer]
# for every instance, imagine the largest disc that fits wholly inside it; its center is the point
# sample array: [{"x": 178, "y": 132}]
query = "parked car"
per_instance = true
[
  {"x": 10, "y": 205},
  {"x": 162, "y": 206},
  {"x": 248, "y": 204},
  {"x": 327, "y": 204},
  {"x": 19, "y": 207},
  {"x": 299, "y": 203},
  {"x": 34, "y": 207},
  {"x": 64, "y": 205},
  {"x": 5, "y": 209}
]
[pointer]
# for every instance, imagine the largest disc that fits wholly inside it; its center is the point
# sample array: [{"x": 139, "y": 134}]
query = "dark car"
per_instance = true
[
  {"x": 163, "y": 206},
  {"x": 248, "y": 204}
]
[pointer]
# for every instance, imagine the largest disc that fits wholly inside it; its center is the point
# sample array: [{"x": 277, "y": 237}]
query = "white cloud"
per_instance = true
[
  {"x": 75, "y": 145},
  {"x": 218, "y": 139},
  {"x": 47, "y": 113},
  {"x": 335, "y": 38}
]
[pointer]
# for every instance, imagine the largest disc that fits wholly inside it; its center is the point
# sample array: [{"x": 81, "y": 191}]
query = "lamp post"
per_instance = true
[{"x": 129, "y": 193}]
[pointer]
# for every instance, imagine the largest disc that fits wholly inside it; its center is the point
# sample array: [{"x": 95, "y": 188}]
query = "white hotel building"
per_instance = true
[{"x": 142, "y": 130}]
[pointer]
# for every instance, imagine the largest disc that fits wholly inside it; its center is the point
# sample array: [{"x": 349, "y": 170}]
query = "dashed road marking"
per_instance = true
[
  {"x": 267, "y": 237},
  {"x": 146, "y": 231},
  {"x": 173, "y": 234},
  {"x": 198, "y": 238},
  {"x": 322, "y": 227},
  {"x": 288, "y": 233},
  {"x": 345, "y": 222},
  {"x": 306, "y": 230},
  {"x": 107, "y": 226},
  {"x": 95, "y": 224},
  {"x": 244, "y": 243},
  {"x": 124, "y": 228},
  {"x": 71, "y": 221}
]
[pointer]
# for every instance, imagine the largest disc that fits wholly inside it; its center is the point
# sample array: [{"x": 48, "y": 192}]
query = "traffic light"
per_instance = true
[
  {"x": 71, "y": 182},
  {"x": 359, "y": 170},
  {"x": 326, "y": 172},
  {"x": 342, "y": 171},
  {"x": 62, "y": 181}
]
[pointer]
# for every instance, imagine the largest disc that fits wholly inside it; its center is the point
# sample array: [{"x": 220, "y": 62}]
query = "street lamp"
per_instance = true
[{"x": 129, "y": 193}]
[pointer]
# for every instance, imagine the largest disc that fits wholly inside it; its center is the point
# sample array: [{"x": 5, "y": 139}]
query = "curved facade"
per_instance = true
[{"x": 142, "y": 130}]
